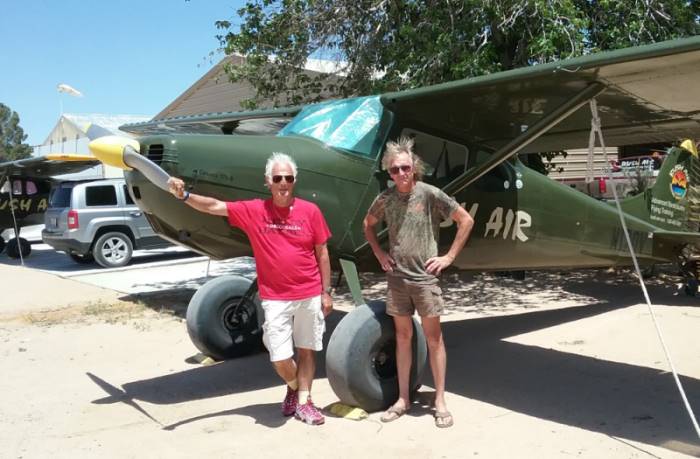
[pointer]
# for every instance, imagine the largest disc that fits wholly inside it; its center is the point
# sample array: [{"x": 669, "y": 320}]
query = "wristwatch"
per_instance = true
[
  {"x": 185, "y": 195},
  {"x": 328, "y": 290}
]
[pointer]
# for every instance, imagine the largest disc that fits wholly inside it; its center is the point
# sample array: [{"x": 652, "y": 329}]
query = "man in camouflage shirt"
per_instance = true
[{"x": 413, "y": 211}]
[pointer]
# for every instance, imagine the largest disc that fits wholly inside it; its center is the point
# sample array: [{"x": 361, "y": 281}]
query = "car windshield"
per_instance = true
[{"x": 355, "y": 125}]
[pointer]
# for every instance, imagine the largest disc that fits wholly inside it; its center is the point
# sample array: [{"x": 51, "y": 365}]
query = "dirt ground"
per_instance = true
[{"x": 556, "y": 365}]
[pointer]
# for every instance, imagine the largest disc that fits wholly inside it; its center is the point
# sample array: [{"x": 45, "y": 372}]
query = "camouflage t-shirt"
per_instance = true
[{"x": 413, "y": 220}]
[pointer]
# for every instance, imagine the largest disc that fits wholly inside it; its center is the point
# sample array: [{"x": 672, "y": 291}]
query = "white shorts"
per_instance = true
[{"x": 301, "y": 320}]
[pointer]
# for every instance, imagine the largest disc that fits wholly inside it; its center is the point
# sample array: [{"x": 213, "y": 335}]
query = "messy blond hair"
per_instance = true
[{"x": 405, "y": 145}]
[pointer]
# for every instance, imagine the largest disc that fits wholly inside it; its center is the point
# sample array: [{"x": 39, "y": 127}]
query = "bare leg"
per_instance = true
[
  {"x": 287, "y": 369},
  {"x": 404, "y": 356},
  {"x": 305, "y": 369},
  {"x": 438, "y": 358}
]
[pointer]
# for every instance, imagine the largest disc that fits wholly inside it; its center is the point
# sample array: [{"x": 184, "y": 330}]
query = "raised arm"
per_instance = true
[{"x": 201, "y": 203}]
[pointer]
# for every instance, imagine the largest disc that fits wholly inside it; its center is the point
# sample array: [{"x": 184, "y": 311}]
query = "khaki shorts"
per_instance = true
[
  {"x": 406, "y": 296},
  {"x": 290, "y": 324}
]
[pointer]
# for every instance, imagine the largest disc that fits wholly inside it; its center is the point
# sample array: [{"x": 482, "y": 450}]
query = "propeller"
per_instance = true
[{"x": 123, "y": 152}]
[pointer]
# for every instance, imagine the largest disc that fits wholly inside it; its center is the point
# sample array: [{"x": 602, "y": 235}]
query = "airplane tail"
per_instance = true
[{"x": 673, "y": 202}]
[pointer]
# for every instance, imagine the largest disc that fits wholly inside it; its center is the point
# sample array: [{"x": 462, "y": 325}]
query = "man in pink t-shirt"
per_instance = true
[{"x": 290, "y": 232}]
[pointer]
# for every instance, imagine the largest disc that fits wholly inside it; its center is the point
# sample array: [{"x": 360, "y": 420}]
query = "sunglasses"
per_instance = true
[
  {"x": 405, "y": 168},
  {"x": 287, "y": 178}
]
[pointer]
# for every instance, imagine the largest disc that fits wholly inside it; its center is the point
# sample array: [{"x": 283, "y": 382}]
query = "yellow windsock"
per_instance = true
[
  {"x": 689, "y": 145},
  {"x": 110, "y": 150}
]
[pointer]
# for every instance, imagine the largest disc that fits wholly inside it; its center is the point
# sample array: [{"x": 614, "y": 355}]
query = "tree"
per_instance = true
[
  {"x": 387, "y": 45},
  {"x": 12, "y": 136}
]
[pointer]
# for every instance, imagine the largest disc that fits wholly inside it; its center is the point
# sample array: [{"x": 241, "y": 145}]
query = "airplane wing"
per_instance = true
[
  {"x": 646, "y": 99},
  {"x": 47, "y": 166},
  {"x": 258, "y": 122},
  {"x": 642, "y": 94}
]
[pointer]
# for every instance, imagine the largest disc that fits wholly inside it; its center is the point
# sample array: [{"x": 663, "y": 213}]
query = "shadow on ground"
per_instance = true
[
  {"x": 45, "y": 258},
  {"x": 615, "y": 399}
]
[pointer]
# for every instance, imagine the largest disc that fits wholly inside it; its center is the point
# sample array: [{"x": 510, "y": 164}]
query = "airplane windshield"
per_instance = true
[{"x": 354, "y": 125}]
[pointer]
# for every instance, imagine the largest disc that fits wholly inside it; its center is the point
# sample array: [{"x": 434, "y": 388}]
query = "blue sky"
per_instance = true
[{"x": 126, "y": 56}]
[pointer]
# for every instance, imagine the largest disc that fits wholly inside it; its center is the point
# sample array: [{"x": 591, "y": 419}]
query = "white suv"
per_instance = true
[{"x": 97, "y": 220}]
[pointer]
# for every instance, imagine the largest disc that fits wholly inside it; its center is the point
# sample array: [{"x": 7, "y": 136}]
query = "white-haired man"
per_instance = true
[
  {"x": 413, "y": 211},
  {"x": 288, "y": 232}
]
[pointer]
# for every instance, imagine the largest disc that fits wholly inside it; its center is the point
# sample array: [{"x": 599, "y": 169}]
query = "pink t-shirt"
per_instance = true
[{"x": 283, "y": 243}]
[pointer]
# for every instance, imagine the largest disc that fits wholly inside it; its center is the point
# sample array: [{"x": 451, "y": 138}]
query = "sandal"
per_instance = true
[
  {"x": 393, "y": 413},
  {"x": 443, "y": 419}
]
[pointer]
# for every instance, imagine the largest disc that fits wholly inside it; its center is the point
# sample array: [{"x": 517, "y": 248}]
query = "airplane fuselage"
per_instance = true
[
  {"x": 26, "y": 202},
  {"x": 523, "y": 220}
]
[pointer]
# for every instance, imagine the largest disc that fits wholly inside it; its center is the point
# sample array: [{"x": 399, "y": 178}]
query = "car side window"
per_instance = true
[
  {"x": 127, "y": 197},
  {"x": 102, "y": 195}
]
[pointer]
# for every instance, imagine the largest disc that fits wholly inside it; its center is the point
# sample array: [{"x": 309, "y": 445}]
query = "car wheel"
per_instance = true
[
  {"x": 218, "y": 325},
  {"x": 2, "y": 244},
  {"x": 361, "y": 358},
  {"x": 82, "y": 259},
  {"x": 14, "y": 248},
  {"x": 112, "y": 250}
]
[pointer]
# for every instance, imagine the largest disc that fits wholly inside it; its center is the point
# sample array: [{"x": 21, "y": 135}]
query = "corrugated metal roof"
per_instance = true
[{"x": 107, "y": 121}]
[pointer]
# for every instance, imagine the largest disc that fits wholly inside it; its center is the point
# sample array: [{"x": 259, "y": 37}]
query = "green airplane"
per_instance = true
[{"x": 469, "y": 133}]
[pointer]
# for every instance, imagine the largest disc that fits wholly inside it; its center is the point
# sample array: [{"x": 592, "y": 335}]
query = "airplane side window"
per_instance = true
[
  {"x": 500, "y": 178},
  {"x": 31, "y": 188},
  {"x": 103, "y": 195},
  {"x": 444, "y": 160},
  {"x": 16, "y": 187}
]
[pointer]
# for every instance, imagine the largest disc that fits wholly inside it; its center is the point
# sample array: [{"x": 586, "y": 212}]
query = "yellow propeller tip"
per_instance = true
[{"x": 110, "y": 150}]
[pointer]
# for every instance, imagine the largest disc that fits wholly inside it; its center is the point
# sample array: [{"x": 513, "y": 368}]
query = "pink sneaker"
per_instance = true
[
  {"x": 289, "y": 405},
  {"x": 309, "y": 414}
]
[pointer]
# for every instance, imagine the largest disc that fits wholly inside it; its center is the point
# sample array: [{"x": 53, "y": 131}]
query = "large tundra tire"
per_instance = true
[
  {"x": 218, "y": 325},
  {"x": 361, "y": 358}
]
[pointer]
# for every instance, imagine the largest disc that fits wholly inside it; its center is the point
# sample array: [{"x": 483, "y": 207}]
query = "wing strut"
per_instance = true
[{"x": 533, "y": 132}]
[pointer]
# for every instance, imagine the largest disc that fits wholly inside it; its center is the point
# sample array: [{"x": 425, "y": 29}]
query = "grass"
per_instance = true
[{"x": 116, "y": 312}]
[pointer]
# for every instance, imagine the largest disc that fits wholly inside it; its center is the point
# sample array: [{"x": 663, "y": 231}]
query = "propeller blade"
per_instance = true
[{"x": 124, "y": 153}]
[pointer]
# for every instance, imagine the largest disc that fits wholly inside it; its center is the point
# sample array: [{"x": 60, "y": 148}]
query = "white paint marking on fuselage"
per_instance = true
[{"x": 513, "y": 226}]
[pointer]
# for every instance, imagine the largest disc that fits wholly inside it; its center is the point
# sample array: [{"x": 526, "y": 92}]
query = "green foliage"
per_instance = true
[
  {"x": 387, "y": 45},
  {"x": 12, "y": 136},
  {"x": 544, "y": 162}
]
